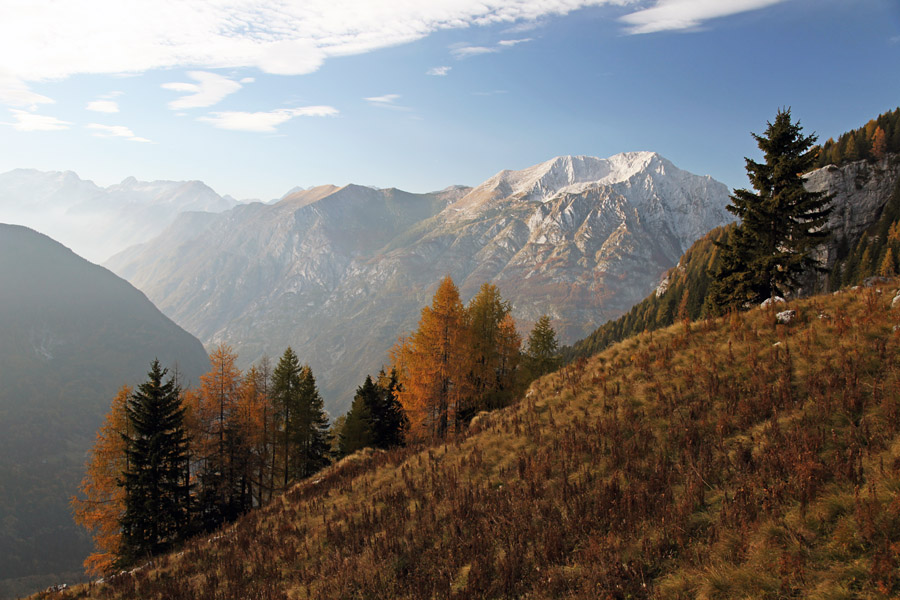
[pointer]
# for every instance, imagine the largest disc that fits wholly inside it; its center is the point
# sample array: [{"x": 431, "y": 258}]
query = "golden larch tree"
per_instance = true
[
  {"x": 433, "y": 364},
  {"x": 102, "y": 501}
]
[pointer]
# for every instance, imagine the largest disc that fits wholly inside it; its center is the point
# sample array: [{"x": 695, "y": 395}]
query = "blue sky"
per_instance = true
[{"x": 257, "y": 97}]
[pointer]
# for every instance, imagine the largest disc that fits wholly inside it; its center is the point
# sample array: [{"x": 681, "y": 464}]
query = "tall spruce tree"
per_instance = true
[
  {"x": 542, "y": 349},
  {"x": 156, "y": 478},
  {"x": 781, "y": 224},
  {"x": 310, "y": 433},
  {"x": 389, "y": 422},
  {"x": 286, "y": 398}
]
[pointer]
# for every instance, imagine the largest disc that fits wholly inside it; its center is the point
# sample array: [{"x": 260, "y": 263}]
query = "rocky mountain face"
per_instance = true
[
  {"x": 339, "y": 274},
  {"x": 859, "y": 191},
  {"x": 71, "y": 334},
  {"x": 98, "y": 222}
]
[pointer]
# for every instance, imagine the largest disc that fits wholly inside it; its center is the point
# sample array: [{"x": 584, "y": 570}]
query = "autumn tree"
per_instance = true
[
  {"x": 433, "y": 364},
  {"x": 219, "y": 441},
  {"x": 781, "y": 223},
  {"x": 256, "y": 418},
  {"x": 156, "y": 478},
  {"x": 494, "y": 350},
  {"x": 879, "y": 143},
  {"x": 102, "y": 503}
]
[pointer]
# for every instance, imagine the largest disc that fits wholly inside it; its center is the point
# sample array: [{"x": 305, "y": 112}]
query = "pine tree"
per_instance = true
[
  {"x": 156, "y": 479},
  {"x": 102, "y": 505},
  {"x": 357, "y": 431},
  {"x": 781, "y": 224},
  {"x": 286, "y": 399},
  {"x": 542, "y": 349},
  {"x": 389, "y": 422},
  {"x": 310, "y": 432}
]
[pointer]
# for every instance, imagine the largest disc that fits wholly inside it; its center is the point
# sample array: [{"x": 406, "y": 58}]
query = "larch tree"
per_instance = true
[
  {"x": 494, "y": 350},
  {"x": 781, "y": 223},
  {"x": 156, "y": 478},
  {"x": 434, "y": 363},
  {"x": 219, "y": 441},
  {"x": 102, "y": 502}
]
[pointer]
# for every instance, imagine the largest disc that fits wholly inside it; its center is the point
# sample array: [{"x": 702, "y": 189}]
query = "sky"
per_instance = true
[{"x": 256, "y": 97}]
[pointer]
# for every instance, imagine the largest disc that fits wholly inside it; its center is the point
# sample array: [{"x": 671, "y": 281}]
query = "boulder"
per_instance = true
[
  {"x": 770, "y": 301},
  {"x": 786, "y": 316}
]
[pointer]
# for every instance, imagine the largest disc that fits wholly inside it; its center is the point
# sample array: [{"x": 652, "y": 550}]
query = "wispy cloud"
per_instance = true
[
  {"x": 509, "y": 43},
  {"x": 461, "y": 51},
  {"x": 382, "y": 100},
  {"x": 29, "y": 121},
  {"x": 115, "y": 131},
  {"x": 438, "y": 71},
  {"x": 673, "y": 15},
  {"x": 264, "y": 122},
  {"x": 387, "y": 101},
  {"x": 467, "y": 51},
  {"x": 103, "y": 106},
  {"x": 15, "y": 92},
  {"x": 210, "y": 89}
]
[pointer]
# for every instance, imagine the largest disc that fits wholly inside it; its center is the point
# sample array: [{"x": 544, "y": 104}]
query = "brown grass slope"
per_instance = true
[{"x": 729, "y": 458}]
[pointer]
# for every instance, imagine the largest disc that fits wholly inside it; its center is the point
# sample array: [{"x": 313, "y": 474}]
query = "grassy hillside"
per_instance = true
[{"x": 729, "y": 458}]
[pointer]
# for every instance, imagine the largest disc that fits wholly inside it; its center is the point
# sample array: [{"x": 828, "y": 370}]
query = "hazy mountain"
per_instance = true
[
  {"x": 98, "y": 222},
  {"x": 71, "y": 334},
  {"x": 339, "y": 273}
]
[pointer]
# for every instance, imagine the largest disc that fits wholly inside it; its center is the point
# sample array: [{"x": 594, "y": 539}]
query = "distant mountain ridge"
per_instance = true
[
  {"x": 71, "y": 334},
  {"x": 339, "y": 273},
  {"x": 98, "y": 222}
]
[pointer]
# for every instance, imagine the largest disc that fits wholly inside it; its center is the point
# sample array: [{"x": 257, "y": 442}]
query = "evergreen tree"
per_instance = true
[
  {"x": 389, "y": 422},
  {"x": 286, "y": 399},
  {"x": 542, "y": 349},
  {"x": 357, "y": 431},
  {"x": 781, "y": 224},
  {"x": 156, "y": 479},
  {"x": 310, "y": 431}
]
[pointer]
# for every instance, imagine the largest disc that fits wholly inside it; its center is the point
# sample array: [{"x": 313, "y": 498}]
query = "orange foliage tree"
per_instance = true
[
  {"x": 494, "y": 350},
  {"x": 103, "y": 501}
]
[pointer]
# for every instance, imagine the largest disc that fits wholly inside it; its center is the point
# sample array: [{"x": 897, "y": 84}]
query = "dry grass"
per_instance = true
[{"x": 730, "y": 458}]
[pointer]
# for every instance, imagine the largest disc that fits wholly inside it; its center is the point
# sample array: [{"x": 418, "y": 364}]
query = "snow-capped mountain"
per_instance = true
[
  {"x": 98, "y": 222},
  {"x": 339, "y": 273}
]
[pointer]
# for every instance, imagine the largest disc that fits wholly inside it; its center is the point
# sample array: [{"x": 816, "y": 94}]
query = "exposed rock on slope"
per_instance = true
[{"x": 339, "y": 273}]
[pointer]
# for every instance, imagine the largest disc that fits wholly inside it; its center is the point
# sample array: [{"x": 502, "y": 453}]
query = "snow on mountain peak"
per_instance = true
[{"x": 573, "y": 174}]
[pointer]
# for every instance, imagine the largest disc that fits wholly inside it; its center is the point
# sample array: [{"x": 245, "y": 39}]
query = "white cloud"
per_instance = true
[
  {"x": 45, "y": 39},
  {"x": 668, "y": 15},
  {"x": 386, "y": 99},
  {"x": 29, "y": 121},
  {"x": 113, "y": 131},
  {"x": 209, "y": 89},
  {"x": 467, "y": 51},
  {"x": 514, "y": 42},
  {"x": 15, "y": 92},
  {"x": 104, "y": 106},
  {"x": 438, "y": 71},
  {"x": 264, "y": 122}
]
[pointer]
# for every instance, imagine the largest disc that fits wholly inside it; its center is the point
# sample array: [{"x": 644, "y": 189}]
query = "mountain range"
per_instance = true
[
  {"x": 94, "y": 221},
  {"x": 338, "y": 273}
]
